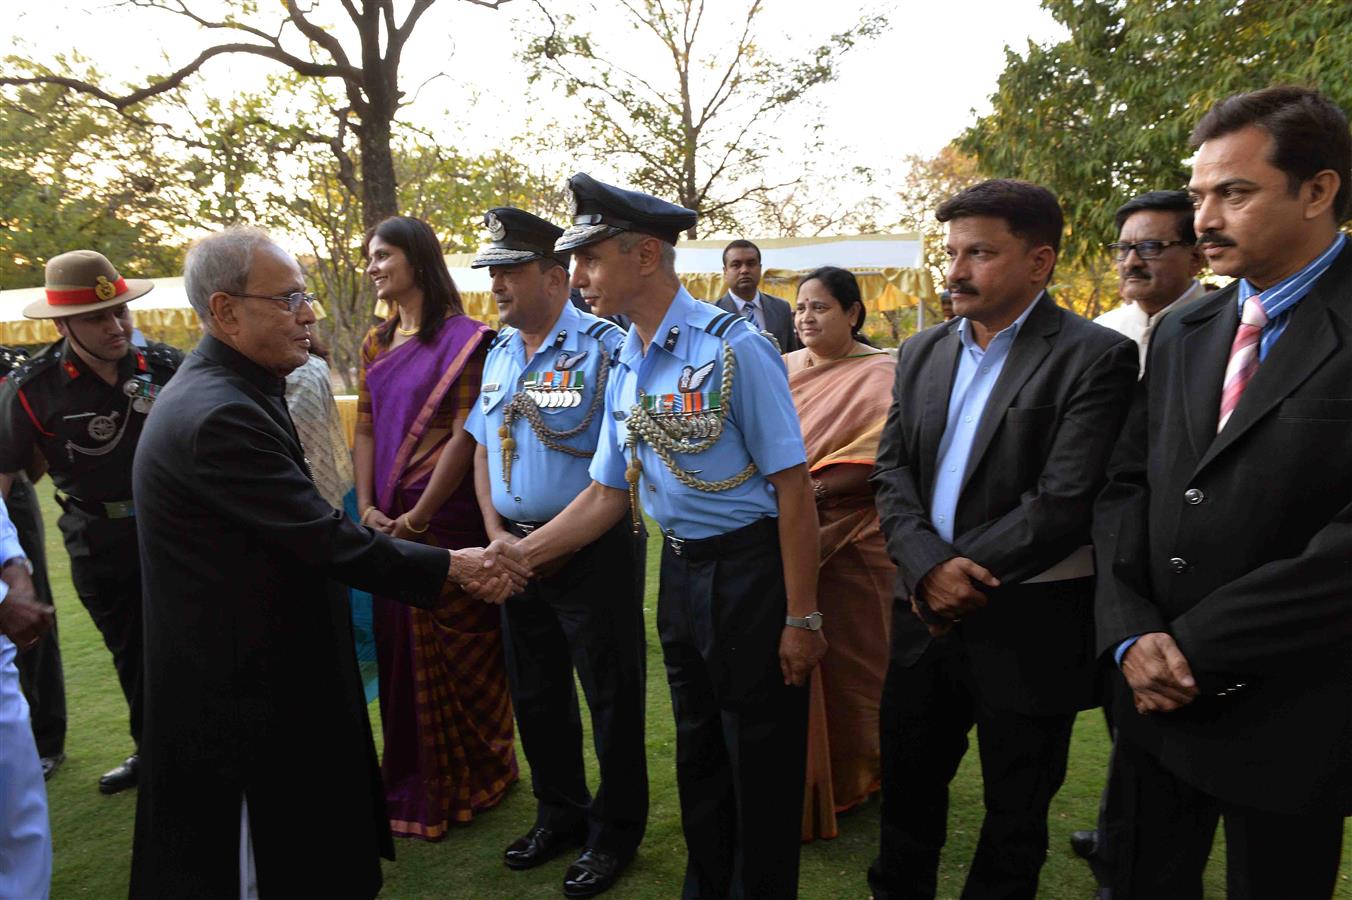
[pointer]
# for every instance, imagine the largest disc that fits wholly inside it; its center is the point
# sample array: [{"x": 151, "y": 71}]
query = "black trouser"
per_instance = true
[
  {"x": 927, "y": 710},
  {"x": 1168, "y": 827},
  {"x": 105, "y": 568},
  {"x": 588, "y": 615},
  {"x": 741, "y": 733},
  {"x": 40, "y": 674}
]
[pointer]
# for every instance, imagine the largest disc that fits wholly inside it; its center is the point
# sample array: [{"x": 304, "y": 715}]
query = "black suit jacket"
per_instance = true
[
  {"x": 251, "y": 681},
  {"x": 778, "y": 318},
  {"x": 1038, "y": 459},
  {"x": 1240, "y": 546}
]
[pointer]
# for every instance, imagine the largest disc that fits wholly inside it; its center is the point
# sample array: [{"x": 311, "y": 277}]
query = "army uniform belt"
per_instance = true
[
  {"x": 754, "y": 535},
  {"x": 103, "y": 509},
  {"x": 521, "y": 529}
]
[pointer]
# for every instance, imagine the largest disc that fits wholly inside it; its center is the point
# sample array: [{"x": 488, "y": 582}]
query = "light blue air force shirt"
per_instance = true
[
  {"x": 760, "y": 424},
  {"x": 544, "y": 481},
  {"x": 978, "y": 370},
  {"x": 9, "y": 544}
]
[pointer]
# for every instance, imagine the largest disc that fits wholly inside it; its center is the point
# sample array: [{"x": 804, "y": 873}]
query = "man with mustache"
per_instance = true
[
  {"x": 997, "y": 441},
  {"x": 1223, "y": 535},
  {"x": 80, "y": 405},
  {"x": 1157, "y": 264},
  {"x": 1157, "y": 261}
]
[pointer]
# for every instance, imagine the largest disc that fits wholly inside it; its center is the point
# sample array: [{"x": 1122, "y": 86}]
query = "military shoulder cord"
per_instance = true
[
  {"x": 644, "y": 426},
  {"x": 522, "y": 405},
  {"x": 73, "y": 448}
]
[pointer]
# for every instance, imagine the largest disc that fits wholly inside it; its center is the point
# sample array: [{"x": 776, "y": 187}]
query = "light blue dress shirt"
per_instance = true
[
  {"x": 978, "y": 370},
  {"x": 544, "y": 481},
  {"x": 760, "y": 424},
  {"x": 9, "y": 544}
]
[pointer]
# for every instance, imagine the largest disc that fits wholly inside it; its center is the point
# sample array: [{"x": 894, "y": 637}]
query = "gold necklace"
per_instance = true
[{"x": 406, "y": 332}]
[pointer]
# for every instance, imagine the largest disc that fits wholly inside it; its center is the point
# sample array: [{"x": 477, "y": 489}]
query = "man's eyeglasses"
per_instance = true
[
  {"x": 292, "y": 300},
  {"x": 1144, "y": 249}
]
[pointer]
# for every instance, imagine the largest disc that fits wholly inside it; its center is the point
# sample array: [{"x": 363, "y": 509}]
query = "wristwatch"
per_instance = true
[{"x": 811, "y": 621}]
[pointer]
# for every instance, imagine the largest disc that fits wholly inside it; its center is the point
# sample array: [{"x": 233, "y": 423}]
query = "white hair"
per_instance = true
[
  {"x": 220, "y": 262},
  {"x": 630, "y": 239}
]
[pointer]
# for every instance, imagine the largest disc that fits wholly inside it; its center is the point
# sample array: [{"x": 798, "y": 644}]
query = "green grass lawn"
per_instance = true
[{"x": 92, "y": 833}]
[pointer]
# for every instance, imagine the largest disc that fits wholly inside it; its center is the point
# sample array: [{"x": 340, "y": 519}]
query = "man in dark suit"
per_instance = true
[
  {"x": 255, "y": 717},
  {"x": 1001, "y": 426},
  {"x": 742, "y": 272},
  {"x": 1223, "y": 536}
]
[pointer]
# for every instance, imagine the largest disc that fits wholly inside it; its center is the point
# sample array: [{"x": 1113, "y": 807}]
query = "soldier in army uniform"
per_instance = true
[
  {"x": 700, "y": 424},
  {"x": 81, "y": 404},
  {"x": 537, "y": 422},
  {"x": 40, "y": 673}
]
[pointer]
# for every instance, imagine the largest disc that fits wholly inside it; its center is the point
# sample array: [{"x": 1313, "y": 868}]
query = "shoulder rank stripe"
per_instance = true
[
  {"x": 719, "y": 325},
  {"x": 502, "y": 336},
  {"x": 598, "y": 329}
]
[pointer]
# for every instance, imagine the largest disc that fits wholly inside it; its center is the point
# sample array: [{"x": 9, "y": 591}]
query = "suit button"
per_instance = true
[
  {"x": 1193, "y": 496},
  {"x": 1179, "y": 565}
]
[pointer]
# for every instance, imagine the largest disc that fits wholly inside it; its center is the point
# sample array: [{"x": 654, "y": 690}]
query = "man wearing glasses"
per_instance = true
[
  {"x": 80, "y": 405},
  {"x": 1157, "y": 263},
  {"x": 256, "y": 719}
]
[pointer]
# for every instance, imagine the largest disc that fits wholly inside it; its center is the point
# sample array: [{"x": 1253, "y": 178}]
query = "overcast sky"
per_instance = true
[{"x": 909, "y": 91}]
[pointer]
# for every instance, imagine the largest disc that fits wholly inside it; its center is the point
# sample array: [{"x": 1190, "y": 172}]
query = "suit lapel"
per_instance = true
[
  {"x": 1309, "y": 339},
  {"x": 942, "y": 368},
  {"x": 1205, "y": 346},
  {"x": 1031, "y": 345}
]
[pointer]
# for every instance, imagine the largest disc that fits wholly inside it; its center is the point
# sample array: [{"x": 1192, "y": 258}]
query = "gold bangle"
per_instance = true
[
  {"x": 408, "y": 523},
  {"x": 364, "y": 513}
]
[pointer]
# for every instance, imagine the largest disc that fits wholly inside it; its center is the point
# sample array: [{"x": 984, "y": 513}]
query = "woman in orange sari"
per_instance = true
[
  {"x": 444, "y": 707},
  {"x": 842, "y": 389}
]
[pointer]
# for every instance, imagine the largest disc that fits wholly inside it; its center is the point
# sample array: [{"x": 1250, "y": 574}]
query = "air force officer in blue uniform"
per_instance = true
[
  {"x": 537, "y": 422},
  {"x": 699, "y": 427}
]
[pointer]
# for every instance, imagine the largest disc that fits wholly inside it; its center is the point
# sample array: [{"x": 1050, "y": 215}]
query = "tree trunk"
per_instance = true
[{"x": 379, "y": 200}]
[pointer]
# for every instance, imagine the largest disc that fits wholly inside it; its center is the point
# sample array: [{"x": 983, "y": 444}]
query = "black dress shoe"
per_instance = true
[
  {"x": 592, "y": 873},
  {"x": 539, "y": 845},
  {"x": 50, "y": 764},
  {"x": 121, "y": 778},
  {"x": 1084, "y": 843}
]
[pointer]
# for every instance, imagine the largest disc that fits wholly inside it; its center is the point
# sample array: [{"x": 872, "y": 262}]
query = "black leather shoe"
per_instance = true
[
  {"x": 539, "y": 845},
  {"x": 592, "y": 873},
  {"x": 50, "y": 764},
  {"x": 1084, "y": 843},
  {"x": 121, "y": 778}
]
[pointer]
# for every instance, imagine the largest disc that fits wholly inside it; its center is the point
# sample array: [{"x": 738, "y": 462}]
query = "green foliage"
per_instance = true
[
  {"x": 74, "y": 174},
  {"x": 695, "y": 132},
  {"x": 1105, "y": 115}
]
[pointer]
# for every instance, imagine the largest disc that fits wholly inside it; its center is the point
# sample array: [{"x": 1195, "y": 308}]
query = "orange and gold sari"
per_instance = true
[{"x": 842, "y": 406}]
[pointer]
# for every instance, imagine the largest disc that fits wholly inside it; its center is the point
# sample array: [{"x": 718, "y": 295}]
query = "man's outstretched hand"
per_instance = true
[{"x": 492, "y": 573}]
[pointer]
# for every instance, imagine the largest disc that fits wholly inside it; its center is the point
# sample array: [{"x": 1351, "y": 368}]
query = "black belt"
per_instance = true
[
  {"x": 521, "y": 529},
  {"x": 103, "y": 509},
  {"x": 748, "y": 536}
]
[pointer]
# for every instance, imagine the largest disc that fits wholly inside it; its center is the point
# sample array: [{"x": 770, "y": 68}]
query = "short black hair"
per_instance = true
[
  {"x": 1030, "y": 211},
  {"x": 1309, "y": 133},
  {"x": 1164, "y": 201},
  {"x": 843, "y": 287},
  {"x": 740, "y": 244}
]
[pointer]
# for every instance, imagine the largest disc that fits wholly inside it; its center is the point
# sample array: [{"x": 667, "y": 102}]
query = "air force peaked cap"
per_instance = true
[
  {"x": 601, "y": 211},
  {"x": 517, "y": 237}
]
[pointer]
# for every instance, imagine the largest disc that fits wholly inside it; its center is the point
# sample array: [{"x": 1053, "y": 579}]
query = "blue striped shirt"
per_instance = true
[
  {"x": 1281, "y": 298},
  {"x": 1278, "y": 301}
]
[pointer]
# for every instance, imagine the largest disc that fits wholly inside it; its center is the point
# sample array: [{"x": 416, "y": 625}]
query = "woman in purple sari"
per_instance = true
[{"x": 444, "y": 707}]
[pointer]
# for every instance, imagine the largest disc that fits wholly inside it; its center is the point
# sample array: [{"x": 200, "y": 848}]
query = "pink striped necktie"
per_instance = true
[{"x": 1243, "y": 357}]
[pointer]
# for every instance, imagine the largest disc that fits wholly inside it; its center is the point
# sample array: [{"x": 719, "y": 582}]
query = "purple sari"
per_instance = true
[{"x": 445, "y": 711}]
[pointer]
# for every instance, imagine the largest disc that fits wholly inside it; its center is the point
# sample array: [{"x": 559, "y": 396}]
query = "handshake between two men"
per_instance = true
[{"x": 491, "y": 573}]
